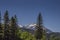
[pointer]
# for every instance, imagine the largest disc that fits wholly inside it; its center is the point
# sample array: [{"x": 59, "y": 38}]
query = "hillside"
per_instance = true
[{"x": 49, "y": 34}]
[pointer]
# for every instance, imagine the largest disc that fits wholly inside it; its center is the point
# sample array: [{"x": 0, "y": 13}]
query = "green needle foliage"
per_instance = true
[
  {"x": 6, "y": 26},
  {"x": 1, "y": 29},
  {"x": 39, "y": 28}
]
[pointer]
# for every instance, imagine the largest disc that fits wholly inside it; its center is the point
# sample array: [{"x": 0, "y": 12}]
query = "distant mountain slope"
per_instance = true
[
  {"x": 49, "y": 34},
  {"x": 31, "y": 28}
]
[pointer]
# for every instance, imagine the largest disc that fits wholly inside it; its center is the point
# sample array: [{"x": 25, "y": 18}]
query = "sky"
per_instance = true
[{"x": 28, "y": 10}]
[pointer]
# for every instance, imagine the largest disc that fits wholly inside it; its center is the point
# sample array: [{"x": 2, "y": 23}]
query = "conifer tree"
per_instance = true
[
  {"x": 16, "y": 28},
  {"x": 6, "y": 26},
  {"x": 0, "y": 22},
  {"x": 13, "y": 28},
  {"x": 16, "y": 24},
  {"x": 39, "y": 28},
  {"x": 1, "y": 28}
]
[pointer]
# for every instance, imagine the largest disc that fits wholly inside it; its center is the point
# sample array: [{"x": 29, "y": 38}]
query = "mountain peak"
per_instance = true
[{"x": 32, "y": 27}]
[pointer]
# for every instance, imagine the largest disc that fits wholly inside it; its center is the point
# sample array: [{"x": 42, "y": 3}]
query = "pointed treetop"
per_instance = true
[
  {"x": 40, "y": 14},
  {"x": 0, "y": 17},
  {"x": 12, "y": 18},
  {"x": 15, "y": 16},
  {"x": 40, "y": 18},
  {"x": 6, "y": 11},
  {"x": 6, "y": 16}
]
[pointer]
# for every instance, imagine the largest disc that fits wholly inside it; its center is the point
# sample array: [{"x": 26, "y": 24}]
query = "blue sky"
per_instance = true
[{"x": 28, "y": 10}]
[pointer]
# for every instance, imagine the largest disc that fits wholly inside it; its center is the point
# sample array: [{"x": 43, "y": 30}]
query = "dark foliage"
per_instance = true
[
  {"x": 39, "y": 28},
  {"x": 9, "y": 28}
]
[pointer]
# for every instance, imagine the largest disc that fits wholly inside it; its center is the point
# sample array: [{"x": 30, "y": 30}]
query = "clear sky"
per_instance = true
[{"x": 28, "y": 10}]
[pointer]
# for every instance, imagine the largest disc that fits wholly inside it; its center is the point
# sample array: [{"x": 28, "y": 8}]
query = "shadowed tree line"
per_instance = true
[{"x": 9, "y": 27}]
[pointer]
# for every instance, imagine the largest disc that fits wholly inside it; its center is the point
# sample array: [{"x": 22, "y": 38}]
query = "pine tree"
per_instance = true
[
  {"x": 13, "y": 28},
  {"x": 0, "y": 22},
  {"x": 6, "y": 26},
  {"x": 16, "y": 27},
  {"x": 39, "y": 28},
  {"x": 1, "y": 30},
  {"x": 16, "y": 24}
]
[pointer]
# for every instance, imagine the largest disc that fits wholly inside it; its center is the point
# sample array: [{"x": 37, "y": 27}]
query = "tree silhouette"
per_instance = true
[
  {"x": 10, "y": 27},
  {"x": 39, "y": 28},
  {"x": 14, "y": 27},
  {"x": 6, "y": 26},
  {"x": 1, "y": 30}
]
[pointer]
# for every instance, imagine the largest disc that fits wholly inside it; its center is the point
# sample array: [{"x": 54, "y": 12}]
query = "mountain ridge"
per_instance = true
[{"x": 31, "y": 27}]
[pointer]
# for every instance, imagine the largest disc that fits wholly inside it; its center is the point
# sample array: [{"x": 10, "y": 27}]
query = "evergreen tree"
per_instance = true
[
  {"x": 1, "y": 28},
  {"x": 16, "y": 26},
  {"x": 6, "y": 26},
  {"x": 13, "y": 28},
  {"x": 39, "y": 28},
  {"x": 16, "y": 29},
  {"x": 0, "y": 22}
]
